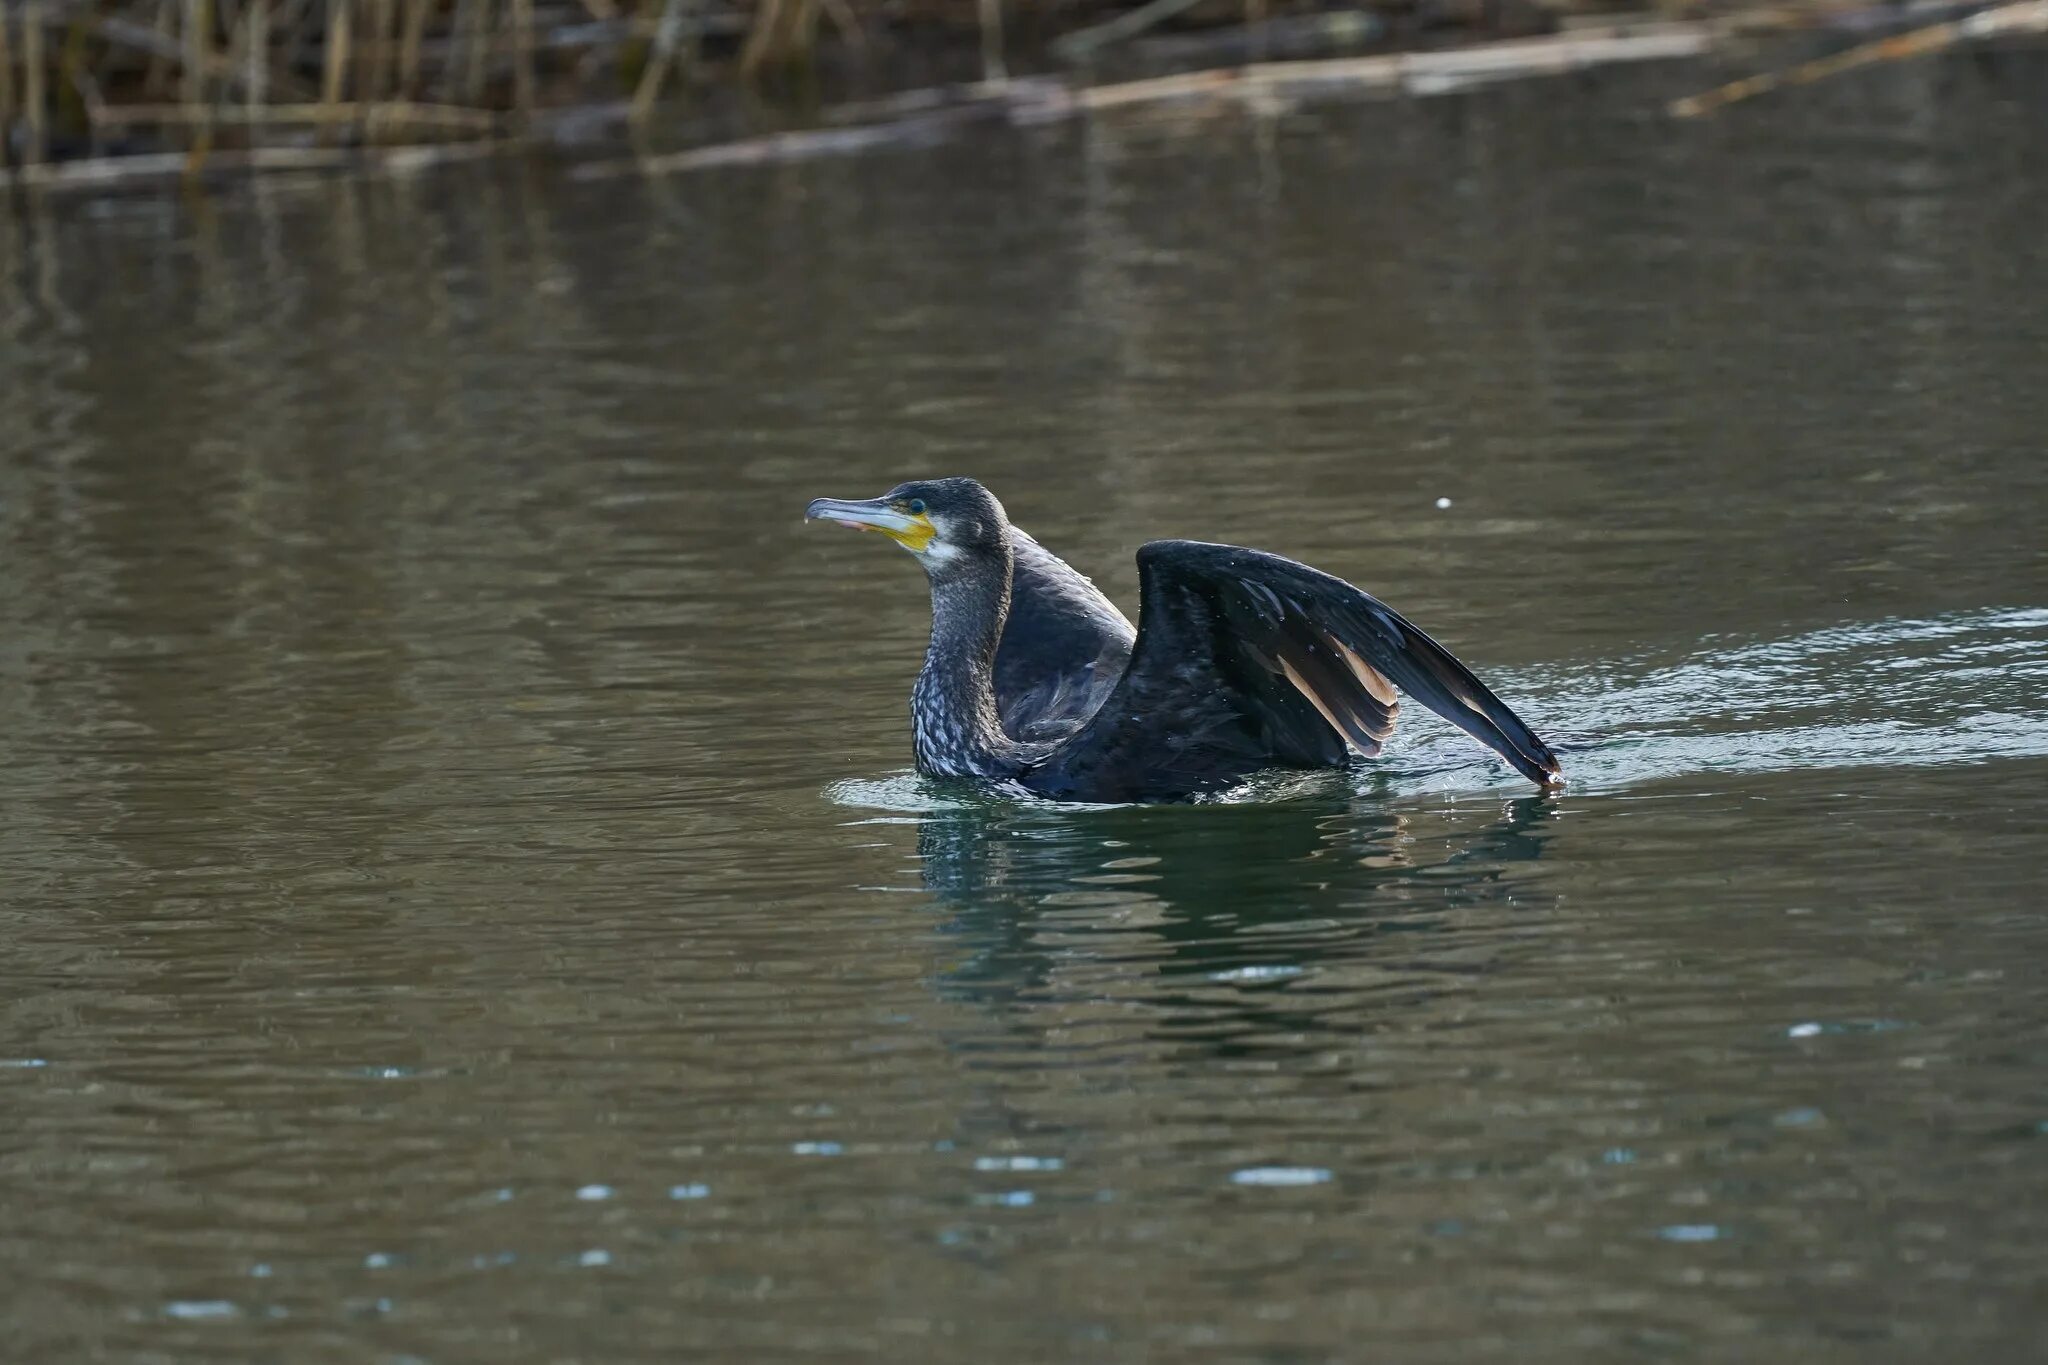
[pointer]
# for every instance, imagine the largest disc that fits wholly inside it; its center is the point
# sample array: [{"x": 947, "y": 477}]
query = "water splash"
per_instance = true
[{"x": 1962, "y": 688}]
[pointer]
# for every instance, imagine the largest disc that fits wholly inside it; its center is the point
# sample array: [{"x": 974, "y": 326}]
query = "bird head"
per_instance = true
[{"x": 947, "y": 523}]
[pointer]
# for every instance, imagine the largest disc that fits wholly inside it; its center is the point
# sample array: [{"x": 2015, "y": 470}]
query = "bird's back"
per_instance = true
[{"x": 1063, "y": 649}]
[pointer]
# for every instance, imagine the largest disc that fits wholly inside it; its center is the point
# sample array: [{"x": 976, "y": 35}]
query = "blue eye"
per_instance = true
[{"x": 917, "y": 507}]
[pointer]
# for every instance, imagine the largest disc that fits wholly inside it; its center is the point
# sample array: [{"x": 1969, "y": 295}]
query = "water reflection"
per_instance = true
[{"x": 1229, "y": 924}]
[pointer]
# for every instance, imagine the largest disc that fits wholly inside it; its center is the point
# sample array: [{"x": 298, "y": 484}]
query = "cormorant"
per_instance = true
[{"x": 1242, "y": 660}]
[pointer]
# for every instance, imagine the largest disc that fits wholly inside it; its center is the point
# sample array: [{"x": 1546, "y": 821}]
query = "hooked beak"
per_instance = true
[{"x": 914, "y": 532}]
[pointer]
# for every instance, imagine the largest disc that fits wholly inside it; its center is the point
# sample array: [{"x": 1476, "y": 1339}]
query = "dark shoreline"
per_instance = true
[{"x": 902, "y": 83}]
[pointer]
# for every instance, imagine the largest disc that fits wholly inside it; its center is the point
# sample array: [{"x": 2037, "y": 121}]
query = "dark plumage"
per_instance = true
[
  {"x": 1242, "y": 660},
  {"x": 1062, "y": 649}
]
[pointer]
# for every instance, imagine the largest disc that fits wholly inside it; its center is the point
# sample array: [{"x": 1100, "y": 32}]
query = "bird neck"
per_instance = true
[{"x": 953, "y": 706}]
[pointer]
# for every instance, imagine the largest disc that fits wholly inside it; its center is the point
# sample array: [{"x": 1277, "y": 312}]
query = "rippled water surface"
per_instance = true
[{"x": 463, "y": 895}]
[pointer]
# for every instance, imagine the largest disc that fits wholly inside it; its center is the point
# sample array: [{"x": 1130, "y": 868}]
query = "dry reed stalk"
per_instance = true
[
  {"x": 335, "y": 71},
  {"x": 2025, "y": 16},
  {"x": 522, "y": 55},
  {"x": 158, "y": 77},
  {"x": 198, "y": 49},
  {"x": 299, "y": 23},
  {"x": 1085, "y": 43},
  {"x": 131, "y": 170},
  {"x": 478, "y": 52},
  {"x": 409, "y": 46},
  {"x": 6, "y": 79},
  {"x": 668, "y": 34},
  {"x": 461, "y": 37},
  {"x": 198, "y": 46},
  {"x": 346, "y": 111},
  {"x": 848, "y": 24},
  {"x": 1418, "y": 73},
  {"x": 811, "y": 143},
  {"x": 223, "y": 67},
  {"x": 803, "y": 31},
  {"x": 760, "y": 36},
  {"x": 256, "y": 54},
  {"x": 32, "y": 83},
  {"x": 992, "y": 67},
  {"x": 376, "y": 49},
  {"x": 124, "y": 170},
  {"x": 784, "y": 33},
  {"x": 77, "y": 74}
]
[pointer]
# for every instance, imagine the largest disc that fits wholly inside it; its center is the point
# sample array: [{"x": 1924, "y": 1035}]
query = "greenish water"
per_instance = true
[{"x": 463, "y": 895}]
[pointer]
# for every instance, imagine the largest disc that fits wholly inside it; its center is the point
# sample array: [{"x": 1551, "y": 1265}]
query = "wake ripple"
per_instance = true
[{"x": 1962, "y": 688}]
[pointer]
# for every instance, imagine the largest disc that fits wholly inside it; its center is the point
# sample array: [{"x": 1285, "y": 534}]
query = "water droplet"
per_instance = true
[
  {"x": 593, "y": 1193},
  {"x": 1019, "y": 1163},
  {"x": 1619, "y": 1156},
  {"x": 260, "y": 1271},
  {"x": 816, "y": 1148},
  {"x": 1803, "y": 1117},
  {"x": 1689, "y": 1232},
  {"x": 201, "y": 1310},
  {"x": 386, "y": 1073},
  {"x": 24, "y": 1063},
  {"x": 1812, "y": 1028},
  {"x": 1260, "y": 973},
  {"x": 689, "y": 1191},
  {"x": 1008, "y": 1199},
  {"x": 1280, "y": 1175},
  {"x": 379, "y": 1260},
  {"x": 594, "y": 1257},
  {"x": 1443, "y": 504}
]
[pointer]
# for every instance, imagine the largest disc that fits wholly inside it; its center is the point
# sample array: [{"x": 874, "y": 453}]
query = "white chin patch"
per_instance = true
[{"x": 938, "y": 552}]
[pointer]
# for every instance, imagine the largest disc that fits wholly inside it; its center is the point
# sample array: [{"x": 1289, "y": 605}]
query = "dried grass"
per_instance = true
[{"x": 207, "y": 77}]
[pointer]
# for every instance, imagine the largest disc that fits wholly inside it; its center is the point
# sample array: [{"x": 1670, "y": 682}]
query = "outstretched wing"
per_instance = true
[
  {"x": 1063, "y": 647},
  {"x": 1246, "y": 660}
]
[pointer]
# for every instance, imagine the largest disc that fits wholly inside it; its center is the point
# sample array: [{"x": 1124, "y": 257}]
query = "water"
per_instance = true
[{"x": 464, "y": 899}]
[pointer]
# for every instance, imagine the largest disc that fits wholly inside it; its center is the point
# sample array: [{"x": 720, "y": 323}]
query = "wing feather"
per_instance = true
[
  {"x": 1062, "y": 650},
  {"x": 1246, "y": 660}
]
